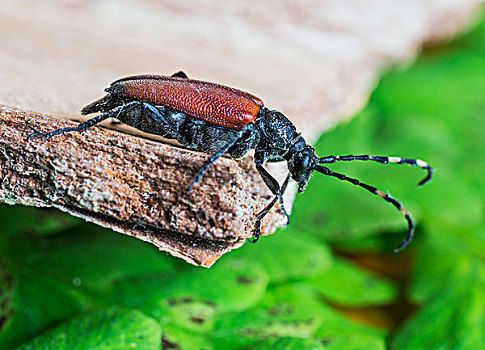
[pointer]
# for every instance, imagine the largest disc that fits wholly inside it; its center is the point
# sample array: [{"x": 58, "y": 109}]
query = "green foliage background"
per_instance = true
[{"x": 328, "y": 281}]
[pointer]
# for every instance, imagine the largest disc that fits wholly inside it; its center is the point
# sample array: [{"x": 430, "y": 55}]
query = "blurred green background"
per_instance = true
[{"x": 328, "y": 281}]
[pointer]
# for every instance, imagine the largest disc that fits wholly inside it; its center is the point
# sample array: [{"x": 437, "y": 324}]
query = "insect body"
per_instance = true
[{"x": 217, "y": 119}]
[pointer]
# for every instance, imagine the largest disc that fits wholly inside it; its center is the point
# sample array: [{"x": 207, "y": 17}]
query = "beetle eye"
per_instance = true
[{"x": 305, "y": 161}]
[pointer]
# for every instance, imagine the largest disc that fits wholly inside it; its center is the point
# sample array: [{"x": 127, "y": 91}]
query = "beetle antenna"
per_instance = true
[
  {"x": 326, "y": 171},
  {"x": 383, "y": 160}
]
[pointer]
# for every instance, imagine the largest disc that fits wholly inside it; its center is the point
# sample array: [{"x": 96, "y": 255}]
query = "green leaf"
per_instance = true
[
  {"x": 345, "y": 284},
  {"x": 287, "y": 344},
  {"x": 36, "y": 303},
  {"x": 178, "y": 338},
  {"x": 35, "y": 221},
  {"x": 7, "y": 304},
  {"x": 190, "y": 299},
  {"x": 287, "y": 311},
  {"x": 337, "y": 332},
  {"x": 444, "y": 259},
  {"x": 83, "y": 257},
  {"x": 355, "y": 342},
  {"x": 446, "y": 91},
  {"x": 105, "y": 329},
  {"x": 57, "y": 277},
  {"x": 295, "y": 311},
  {"x": 449, "y": 283},
  {"x": 287, "y": 255},
  {"x": 453, "y": 318}
]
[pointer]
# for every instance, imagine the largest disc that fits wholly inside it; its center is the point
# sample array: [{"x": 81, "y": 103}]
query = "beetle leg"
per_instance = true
[
  {"x": 157, "y": 116},
  {"x": 326, "y": 171},
  {"x": 115, "y": 112},
  {"x": 283, "y": 189},
  {"x": 383, "y": 160},
  {"x": 214, "y": 157},
  {"x": 180, "y": 74},
  {"x": 274, "y": 187}
]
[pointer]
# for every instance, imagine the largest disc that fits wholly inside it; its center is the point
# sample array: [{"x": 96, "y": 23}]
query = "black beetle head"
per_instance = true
[{"x": 301, "y": 165}]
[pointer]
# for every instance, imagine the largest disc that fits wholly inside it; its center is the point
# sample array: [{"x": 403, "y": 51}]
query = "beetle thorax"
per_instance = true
[
  {"x": 280, "y": 141},
  {"x": 278, "y": 135}
]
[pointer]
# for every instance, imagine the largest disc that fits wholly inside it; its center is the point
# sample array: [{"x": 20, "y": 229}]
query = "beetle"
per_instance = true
[{"x": 216, "y": 119}]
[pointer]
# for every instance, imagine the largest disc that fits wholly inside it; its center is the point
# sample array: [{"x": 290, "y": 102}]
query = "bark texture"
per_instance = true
[{"x": 133, "y": 185}]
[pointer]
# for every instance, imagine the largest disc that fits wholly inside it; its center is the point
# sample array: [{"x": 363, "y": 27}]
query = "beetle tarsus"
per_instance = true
[
  {"x": 261, "y": 215},
  {"x": 35, "y": 134},
  {"x": 48, "y": 135},
  {"x": 428, "y": 177},
  {"x": 281, "y": 201},
  {"x": 255, "y": 237},
  {"x": 274, "y": 187},
  {"x": 180, "y": 74},
  {"x": 409, "y": 236}
]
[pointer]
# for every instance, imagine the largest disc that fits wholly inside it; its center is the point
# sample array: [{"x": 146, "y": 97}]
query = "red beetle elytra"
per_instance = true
[
  {"x": 217, "y": 119},
  {"x": 215, "y": 104}
]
